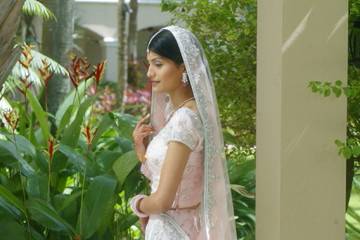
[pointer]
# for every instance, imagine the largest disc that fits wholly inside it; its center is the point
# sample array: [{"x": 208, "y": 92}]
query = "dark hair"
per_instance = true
[{"x": 164, "y": 44}]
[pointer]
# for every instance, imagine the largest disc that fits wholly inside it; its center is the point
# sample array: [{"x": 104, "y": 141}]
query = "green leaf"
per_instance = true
[
  {"x": 10, "y": 229},
  {"x": 338, "y": 83},
  {"x": 65, "y": 200},
  {"x": 71, "y": 100},
  {"x": 126, "y": 221},
  {"x": 33, "y": 7},
  {"x": 125, "y": 124},
  {"x": 337, "y": 91},
  {"x": 96, "y": 203},
  {"x": 168, "y": 5},
  {"x": 356, "y": 151},
  {"x": 46, "y": 215},
  {"x": 64, "y": 120},
  {"x": 8, "y": 149},
  {"x": 74, "y": 157},
  {"x": 105, "y": 124},
  {"x": 37, "y": 186},
  {"x": 11, "y": 203},
  {"x": 106, "y": 159},
  {"x": 339, "y": 143},
  {"x": 327, "y": 92},
  {"x": 124, "y": 165},
  {"x": 72, "y": 133},
  {"x": 41, "y": 115},
  {"x": 347, "y": 152},
  {"x": 23, "y": 145},
  {"x": 348, "y": 91}
]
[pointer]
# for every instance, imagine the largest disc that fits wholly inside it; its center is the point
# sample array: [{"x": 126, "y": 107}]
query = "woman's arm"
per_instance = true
[{"x": 170, "y": 177}]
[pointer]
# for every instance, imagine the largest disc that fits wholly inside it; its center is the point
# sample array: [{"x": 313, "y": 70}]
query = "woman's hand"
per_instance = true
[
  {"x": 143, "y": 223},
  {"x": 140, "y": 132}
]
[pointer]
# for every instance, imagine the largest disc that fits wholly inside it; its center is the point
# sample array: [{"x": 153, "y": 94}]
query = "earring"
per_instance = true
[{"x": 185, "y": 79}]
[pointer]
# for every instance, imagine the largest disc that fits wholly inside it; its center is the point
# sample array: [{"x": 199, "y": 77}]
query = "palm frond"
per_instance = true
[
  {"x": 54, "y": 67},
  {"x": 19, "y": 72},
  {"x": 9, "y": 85},
  {"x": 34, "y": 7},
  {"x": 242, "y": 191},
  {"x": 31, "y": 73},
  {"x": 4, "y": 107}
]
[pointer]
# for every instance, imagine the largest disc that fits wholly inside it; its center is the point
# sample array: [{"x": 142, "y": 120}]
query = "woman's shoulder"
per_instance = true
[{"x": 186, "y": 116}]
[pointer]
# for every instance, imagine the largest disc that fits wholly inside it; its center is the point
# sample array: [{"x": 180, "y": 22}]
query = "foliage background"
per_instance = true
[{"x": 52, "y": 166}]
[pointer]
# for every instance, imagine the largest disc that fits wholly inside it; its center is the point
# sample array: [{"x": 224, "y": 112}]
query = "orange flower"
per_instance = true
[
  {"x": 51, "y": 148},
  {"x": 88, "y": 134},
  {"x": 45, "y": 73},
  {"x": 78, "y": 71},
  {"x": 25, "y": 85},
  {"x": 11, "y": 118},
  {"x": 26, "y": 52},
  {"x": 99, "y": 71}
]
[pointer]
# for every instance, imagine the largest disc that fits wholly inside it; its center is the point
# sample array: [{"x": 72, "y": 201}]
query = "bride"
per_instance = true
[{"x": 185, "y": 161}]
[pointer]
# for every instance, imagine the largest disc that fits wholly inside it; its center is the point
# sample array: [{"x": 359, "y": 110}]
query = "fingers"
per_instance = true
[
  {"x": 143, "y": 119},
  {"x": 141, "y": 136},
  {"x": 145, "y": 126},
  {"x": 138, "y": 137}
]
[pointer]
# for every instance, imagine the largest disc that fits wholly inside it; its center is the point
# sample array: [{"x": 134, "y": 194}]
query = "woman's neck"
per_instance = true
[{"x": 178, "y": 97}]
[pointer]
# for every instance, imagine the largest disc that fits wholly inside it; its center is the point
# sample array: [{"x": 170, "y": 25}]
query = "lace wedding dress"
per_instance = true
[
  {"x": 184, "y": 126},
  {"x": 205, "y": 179}
]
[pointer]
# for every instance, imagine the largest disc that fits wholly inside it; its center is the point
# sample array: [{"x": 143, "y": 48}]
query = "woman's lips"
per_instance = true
[{"x": 154, "y": 82}]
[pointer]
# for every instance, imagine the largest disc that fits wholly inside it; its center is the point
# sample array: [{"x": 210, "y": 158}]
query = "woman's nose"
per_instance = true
[{"x": 149, "y": 73}]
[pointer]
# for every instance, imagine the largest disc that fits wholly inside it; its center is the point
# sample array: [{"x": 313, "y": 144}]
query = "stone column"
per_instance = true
[{"x": 300, "y": 193}]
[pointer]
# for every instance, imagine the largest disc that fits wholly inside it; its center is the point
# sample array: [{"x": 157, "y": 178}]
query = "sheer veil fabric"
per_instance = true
[{"x": 217, "y": 214}]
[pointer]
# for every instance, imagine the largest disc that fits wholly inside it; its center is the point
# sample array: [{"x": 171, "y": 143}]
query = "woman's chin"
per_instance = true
[{"x": 156, "y": 89}]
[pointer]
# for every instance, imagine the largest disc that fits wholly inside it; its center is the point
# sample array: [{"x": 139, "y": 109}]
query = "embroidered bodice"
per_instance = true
[{"x": 184, "y": 126}]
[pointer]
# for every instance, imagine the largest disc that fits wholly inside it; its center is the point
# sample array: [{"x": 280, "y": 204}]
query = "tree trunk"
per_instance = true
[
  {"x": 9, "y": 20},
  {"x": 57, "y": 44},
  {"x": 133, "y": 31},
  {"x": 122, "y": 53}
]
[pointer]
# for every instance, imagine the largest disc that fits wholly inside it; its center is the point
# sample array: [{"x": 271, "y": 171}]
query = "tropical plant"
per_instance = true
[{"x": 74, "y": 183}]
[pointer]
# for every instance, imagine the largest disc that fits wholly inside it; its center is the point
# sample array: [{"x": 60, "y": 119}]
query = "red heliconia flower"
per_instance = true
[
  {"x": 51, "y": 148},
  {"x": 99, "y": 71},
  {"x": 11, "y": 118},
  {"x": 74, "y": 80},
  {"x": 45, "y": 73},
  {"x": 28, "y": 57},
  {"x": 78, "y": 71},
  {"x": 25, "y": 85},
  {"x": 88, "y": 134}
]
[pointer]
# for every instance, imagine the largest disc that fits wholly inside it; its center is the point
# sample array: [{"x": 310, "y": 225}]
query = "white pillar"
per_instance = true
[
  {"x": 300, "y": 193},
  {"x": 110, "y": 46}
]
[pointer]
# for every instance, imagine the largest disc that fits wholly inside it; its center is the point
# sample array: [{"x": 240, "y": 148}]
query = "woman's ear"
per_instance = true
[{"x": 182, "y": 67}]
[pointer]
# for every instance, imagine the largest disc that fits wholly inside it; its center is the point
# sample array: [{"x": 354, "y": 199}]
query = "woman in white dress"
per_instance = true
[{"x": 185, "y": 161}]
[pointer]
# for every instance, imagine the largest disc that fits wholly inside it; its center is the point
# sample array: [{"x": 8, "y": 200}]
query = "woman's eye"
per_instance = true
[{"x": 158, "y": 64}]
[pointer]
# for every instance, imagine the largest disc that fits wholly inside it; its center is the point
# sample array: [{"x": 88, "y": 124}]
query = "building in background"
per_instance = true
[{"x": 96, "y": 31}]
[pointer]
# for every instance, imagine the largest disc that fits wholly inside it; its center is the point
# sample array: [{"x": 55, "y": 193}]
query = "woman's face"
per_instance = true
[{"x": 164, "y": 74}]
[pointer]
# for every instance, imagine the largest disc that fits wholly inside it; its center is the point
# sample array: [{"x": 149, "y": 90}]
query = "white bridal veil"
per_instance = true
[{"x": 217, "y": 214}]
